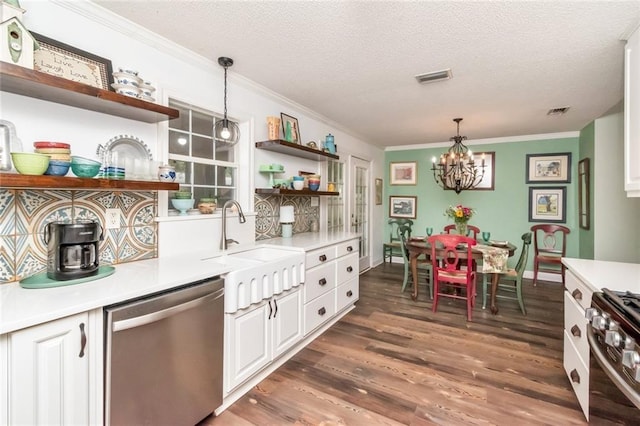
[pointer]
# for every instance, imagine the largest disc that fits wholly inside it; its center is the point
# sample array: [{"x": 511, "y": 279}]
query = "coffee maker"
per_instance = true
[{"x": 72, "y": 249}]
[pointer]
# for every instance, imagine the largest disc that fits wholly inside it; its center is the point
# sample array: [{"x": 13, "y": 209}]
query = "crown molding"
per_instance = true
[{"x": 471, "y": 142}]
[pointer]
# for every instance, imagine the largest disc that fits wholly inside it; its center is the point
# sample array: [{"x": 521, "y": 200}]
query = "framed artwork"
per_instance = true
[
  {"x": 292, "y": 122},
  {"x": 549, "y": 168},
  {"x": 547, "y": 204},
  {"x": 488, "y": 180},
  {"x": 584, "y": 214},
  {"x": 403, "y": 173},
  {"x": 402, "y": 206},
  {"x": 73, "y": 64},
  {"x": 378, "y": 191}
]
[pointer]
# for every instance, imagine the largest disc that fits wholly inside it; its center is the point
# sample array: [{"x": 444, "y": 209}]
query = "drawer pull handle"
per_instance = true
[
  {"x": 275, "y": 303},
  {"x": 323, "y": 281},
  {"x": 575, "y": 377},
  {"x": 349, "y": 269},
  {"x": 323, "y": 258},
  {"x": 577, "y": 294},
  {"x": 349, "y": 249},
  {"x": 349, "y": 293},
  {"x": 270, "y": 309},
  {"x": 83, "y": 340},
  {"x": 575, "y": 330},
  {"x": 322, "y": 311}
]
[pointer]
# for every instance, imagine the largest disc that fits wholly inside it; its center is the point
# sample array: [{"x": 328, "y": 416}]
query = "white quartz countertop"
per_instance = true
[
  {"x": 20, "y": 307},
  {"x": 599, "y": 274}
]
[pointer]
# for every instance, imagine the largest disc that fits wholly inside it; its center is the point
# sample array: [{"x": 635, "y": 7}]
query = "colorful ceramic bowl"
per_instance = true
[
  {"x": 57, "y": 168},
  {"x": 29, "y": 163}
]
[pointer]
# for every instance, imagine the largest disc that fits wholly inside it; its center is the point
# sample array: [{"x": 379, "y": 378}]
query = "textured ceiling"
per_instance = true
[{"x": 354, "y": 62}]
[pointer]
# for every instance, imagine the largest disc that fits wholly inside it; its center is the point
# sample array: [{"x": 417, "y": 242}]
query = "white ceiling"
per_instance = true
[{"x": 354, "y": 62}]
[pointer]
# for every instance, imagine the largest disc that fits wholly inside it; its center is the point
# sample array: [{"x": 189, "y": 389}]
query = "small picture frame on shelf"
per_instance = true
[
  {"x": 64, "y": 61},
  {"x": 293, "y": 133}
]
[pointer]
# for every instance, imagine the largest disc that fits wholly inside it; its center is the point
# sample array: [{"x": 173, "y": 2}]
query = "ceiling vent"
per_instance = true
[
  {"x": 558, "y": 111},
  {"x": 431, "y": 77}
]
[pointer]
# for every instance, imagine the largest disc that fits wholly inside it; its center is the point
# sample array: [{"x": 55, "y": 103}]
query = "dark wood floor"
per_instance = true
[{"x": 392, "y": 361}]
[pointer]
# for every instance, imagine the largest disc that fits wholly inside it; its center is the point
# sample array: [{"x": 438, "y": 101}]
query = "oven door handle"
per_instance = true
[
  {"x": 160, "y": 315},
  {"x": 601, "y": 358}
]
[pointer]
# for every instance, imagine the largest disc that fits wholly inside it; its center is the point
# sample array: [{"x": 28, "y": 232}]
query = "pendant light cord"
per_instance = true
[{"x": 225, "y": 94}]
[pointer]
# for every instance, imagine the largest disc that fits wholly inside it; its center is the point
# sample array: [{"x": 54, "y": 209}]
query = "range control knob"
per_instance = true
[
  {"x": 629, "y": 343},
  {"x": 599, "y": 322},
  {"x": 589, "y": 313},
  {"x": 612, "y": 338},
  {"x": 631, "y": 359},
  {"x": 613, "y": 325}
]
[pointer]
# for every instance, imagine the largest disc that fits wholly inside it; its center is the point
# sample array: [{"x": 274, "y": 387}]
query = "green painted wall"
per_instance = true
[
  {"x": 505, "y": 211},
  {"x": 587, "y": 150}
]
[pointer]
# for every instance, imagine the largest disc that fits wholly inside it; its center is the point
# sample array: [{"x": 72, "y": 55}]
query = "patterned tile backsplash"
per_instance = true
[
  {"x": 25, "y": 213},
  {"x": 268, "y": 212}
]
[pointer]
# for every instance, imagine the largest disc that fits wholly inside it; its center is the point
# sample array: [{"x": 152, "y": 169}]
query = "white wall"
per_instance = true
[
  {"x": 176, "y": 73},
  {"x": 616, "y": 218}
]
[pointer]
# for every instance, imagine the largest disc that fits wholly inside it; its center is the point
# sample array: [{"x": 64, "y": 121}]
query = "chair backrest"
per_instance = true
[
  {"x": 550, "y": 239},
  {"x": 472, "y": 231},
  {"x": 524, "y": 254},
  {"x": 404, "y": 233},
  {"x": 450, "y": 260},
  {"x": 395, "y": 224}
]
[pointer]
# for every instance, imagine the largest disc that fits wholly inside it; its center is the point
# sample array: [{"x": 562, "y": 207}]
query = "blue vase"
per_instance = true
[{"x": 328, "y": 143}]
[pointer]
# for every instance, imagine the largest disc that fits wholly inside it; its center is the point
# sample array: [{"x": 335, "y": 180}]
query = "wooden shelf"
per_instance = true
[
  {"x": 293, "y": 192},
  {"x": 289, "y": 148},
  {"x": 10, "y": 180},
  {"x": 36, "y": 84}
]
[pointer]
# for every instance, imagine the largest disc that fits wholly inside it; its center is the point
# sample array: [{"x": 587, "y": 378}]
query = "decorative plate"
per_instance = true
[{"x": 127, "y": 146}]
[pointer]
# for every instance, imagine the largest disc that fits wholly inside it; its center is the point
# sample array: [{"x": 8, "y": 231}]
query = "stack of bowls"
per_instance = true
[
  {"x": 314, "y": 182},
  {"x": 59, "y": 154},
  {"x": 29, "y": 163},
  {"x": 127, "y": 82},
  {"x": 146, "y": 91},
  {"x": 182, "y": 201}
]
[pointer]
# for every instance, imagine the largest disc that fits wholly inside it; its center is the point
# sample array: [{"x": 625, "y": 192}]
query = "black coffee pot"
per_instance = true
[{"x": 72, "y": 249}]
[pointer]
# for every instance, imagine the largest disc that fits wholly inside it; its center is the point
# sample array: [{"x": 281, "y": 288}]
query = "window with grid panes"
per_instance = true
[
  {"x": 335, "y": 203},
  {"x": 204, "y": 166}
]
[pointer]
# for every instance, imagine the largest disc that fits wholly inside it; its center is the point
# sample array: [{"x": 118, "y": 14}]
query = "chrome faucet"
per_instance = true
[{"x": 224, "y": 242}]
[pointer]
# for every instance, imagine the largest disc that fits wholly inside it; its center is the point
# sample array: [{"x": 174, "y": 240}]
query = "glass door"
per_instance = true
[{"x": 359, "y": 207}]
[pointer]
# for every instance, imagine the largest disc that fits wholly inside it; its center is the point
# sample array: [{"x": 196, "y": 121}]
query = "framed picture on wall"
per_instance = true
[
  {"x": 584, "y": 214},
  {"x": 547, "y": 204},
  {"x": 549, "y": 168},
  {"x": 403, "y": 173},
  {"x": 378, "y": 191},
  {"x": 402, "y": 206}
]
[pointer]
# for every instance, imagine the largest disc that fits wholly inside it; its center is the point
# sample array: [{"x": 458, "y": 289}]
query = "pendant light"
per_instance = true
[
  {"x": 224, "y": 130},
  {"x": 457, "y": 169}
]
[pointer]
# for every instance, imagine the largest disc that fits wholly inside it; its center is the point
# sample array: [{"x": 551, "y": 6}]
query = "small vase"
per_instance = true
[{"x": 461, "y": 227}]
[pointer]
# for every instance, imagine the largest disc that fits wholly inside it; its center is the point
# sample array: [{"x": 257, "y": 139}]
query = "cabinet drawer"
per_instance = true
[
  {"x": 578, "y": 290},
  {"x": 319, "y": 310},
  {"x": 347, "y": 247},
  {"x": 319, "y": 280},
  {"x": 347, "y": 294},
  {"x": 347, "y": 268},
  {"x": 573, "y": 366},
  {"x": 575, "y": 325},
  {"x": 320, "y": 256}
]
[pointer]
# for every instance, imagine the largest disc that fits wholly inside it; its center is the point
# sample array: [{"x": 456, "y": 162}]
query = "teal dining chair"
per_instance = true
[
  {"x": 404, "y": 235},
  {"x": 393, "y": 247},
  {"x": 511, "y": 281}
]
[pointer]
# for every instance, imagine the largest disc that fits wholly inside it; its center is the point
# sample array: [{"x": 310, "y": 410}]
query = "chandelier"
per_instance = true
[{"x": 457, "y": 170}]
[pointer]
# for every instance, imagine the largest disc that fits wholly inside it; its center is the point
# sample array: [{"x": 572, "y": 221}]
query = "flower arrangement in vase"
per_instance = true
[{"x": 460, "y": 215}]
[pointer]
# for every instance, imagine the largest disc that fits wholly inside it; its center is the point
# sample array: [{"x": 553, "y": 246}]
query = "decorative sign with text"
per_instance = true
[{"x": 73, "y": 64}]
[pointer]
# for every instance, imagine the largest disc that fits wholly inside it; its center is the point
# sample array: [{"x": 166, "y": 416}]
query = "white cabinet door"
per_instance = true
[
  {"x": 631, "y": 112},
  {"x": 49, "y": 373},
  {"x": 248, "y": 343},
  {"x": 287, "y": 321}
]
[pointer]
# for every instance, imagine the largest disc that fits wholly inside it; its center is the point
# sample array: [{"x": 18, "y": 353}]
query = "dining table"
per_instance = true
[{"x": 418, "y": 246}]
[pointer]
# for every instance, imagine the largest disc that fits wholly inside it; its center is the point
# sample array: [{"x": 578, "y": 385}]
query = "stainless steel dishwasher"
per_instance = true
[{"x": 163, "y": 356}]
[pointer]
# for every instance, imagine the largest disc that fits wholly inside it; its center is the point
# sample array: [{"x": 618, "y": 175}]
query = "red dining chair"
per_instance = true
[
  {"x": 447, "y": 270},
  {"x": 472, "y": 231},
  {"x": 550, "y": 246}
]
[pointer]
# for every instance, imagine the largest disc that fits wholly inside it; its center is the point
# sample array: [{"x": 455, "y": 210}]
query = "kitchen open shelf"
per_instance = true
[
  {"x": 290, "y": 148},
  {"x": 10, "y": 180},
  {"x": 36, "y": 84},
  {"x": 293, "y": 192}
]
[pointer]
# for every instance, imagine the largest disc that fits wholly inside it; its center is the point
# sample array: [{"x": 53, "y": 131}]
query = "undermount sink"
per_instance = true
[{"x": 259, "y": 273}]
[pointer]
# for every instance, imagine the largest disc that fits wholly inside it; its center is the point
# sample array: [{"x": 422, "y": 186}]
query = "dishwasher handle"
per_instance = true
[{"x": 160, "y": 315}]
